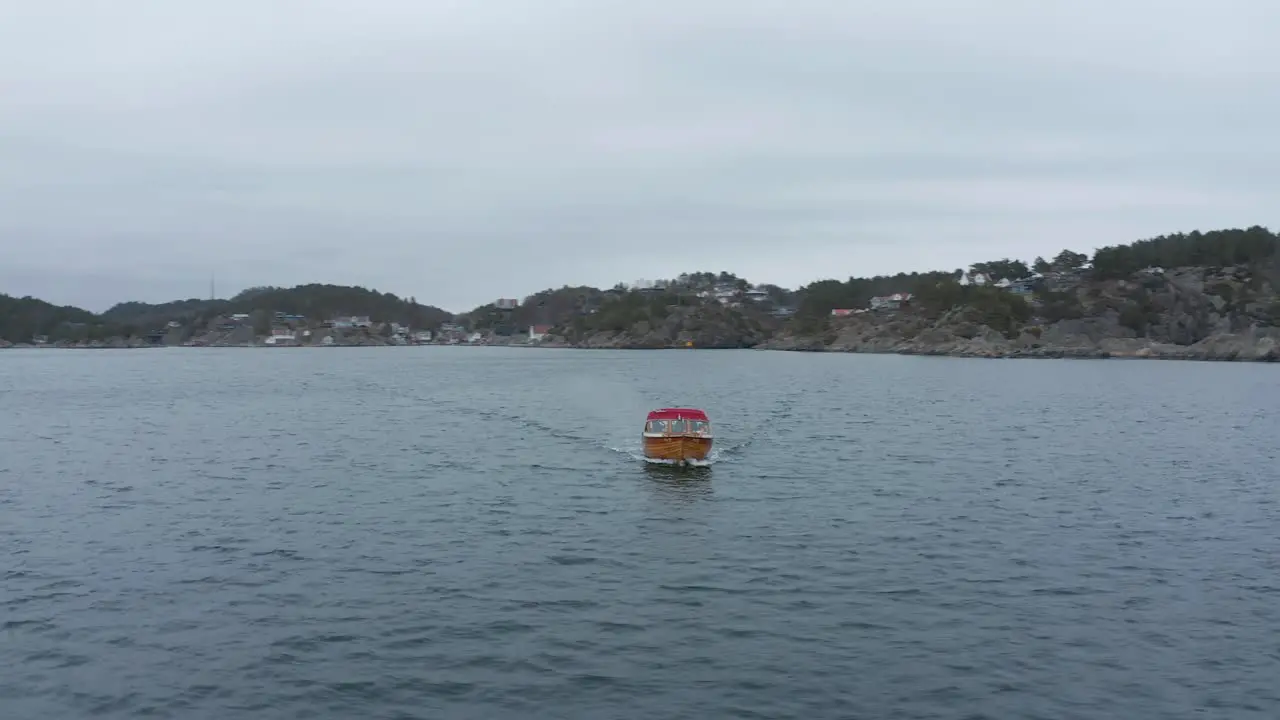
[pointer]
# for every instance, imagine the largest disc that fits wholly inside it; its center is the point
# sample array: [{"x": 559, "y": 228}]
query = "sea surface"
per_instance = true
[{"x": 450, "y": 532}]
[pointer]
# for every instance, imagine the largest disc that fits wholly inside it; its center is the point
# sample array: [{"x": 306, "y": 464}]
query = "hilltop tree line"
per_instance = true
[{"x": 1217, "y": 248}]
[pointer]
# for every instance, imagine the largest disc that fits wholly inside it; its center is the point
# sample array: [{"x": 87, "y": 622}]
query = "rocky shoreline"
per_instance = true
[
  {"x": 1068, "y": 339},
  {"x": 1227, "y": 348},
  {"x": 1261, "y": 347}
]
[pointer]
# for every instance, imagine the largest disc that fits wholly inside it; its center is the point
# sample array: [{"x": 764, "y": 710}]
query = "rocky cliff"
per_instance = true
[{"x": 1192, "y": 313}]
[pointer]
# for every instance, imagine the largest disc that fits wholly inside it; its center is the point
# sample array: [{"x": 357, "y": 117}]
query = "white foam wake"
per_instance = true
[{"x": 634, "y": 453}]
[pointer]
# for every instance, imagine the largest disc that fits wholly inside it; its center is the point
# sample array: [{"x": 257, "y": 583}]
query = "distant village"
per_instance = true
[
  {"x": 293, "y": 330},
  {"x": 281, "y": 329},
  {"x": 353, "y": 330},
  {"x": 297, "y": 330}
]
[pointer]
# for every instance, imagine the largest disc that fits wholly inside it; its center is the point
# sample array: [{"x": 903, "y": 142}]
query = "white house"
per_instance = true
[
  {"x": 281, "y": 336},
  {"x": 890, "y": 302},
  {"x": 353, "y": 321}
]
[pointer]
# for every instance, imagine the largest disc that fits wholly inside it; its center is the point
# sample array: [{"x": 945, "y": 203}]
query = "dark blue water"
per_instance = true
[{"x": 467, "y": 533}]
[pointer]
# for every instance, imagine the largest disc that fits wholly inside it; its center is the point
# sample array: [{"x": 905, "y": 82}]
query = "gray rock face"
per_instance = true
[{"x": 699, "y": 327}]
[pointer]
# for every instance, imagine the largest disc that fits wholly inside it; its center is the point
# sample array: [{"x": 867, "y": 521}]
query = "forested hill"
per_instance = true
[
  {"x": 1205, "y": 296},
  {"x": 315, "y": 301},
  {"x": 724, "y": 307},
  {"x": 22, "y": 319},
  {"x": 1253, "y": 246}
]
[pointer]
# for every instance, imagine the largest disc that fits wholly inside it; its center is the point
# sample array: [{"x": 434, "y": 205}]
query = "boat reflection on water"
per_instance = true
[
  {"x": 678, "y": 473},
  {"x": 679, "y": 483}
]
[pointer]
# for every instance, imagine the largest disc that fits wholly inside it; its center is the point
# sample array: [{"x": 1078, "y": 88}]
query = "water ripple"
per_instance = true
[{"x": 468, "y": 533}]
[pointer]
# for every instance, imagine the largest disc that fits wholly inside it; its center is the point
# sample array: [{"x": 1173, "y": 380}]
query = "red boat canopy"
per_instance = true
[{"x": 678, "y": 414}]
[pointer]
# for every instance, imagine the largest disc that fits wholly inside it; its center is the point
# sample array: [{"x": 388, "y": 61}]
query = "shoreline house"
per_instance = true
[
  {"x": 538, "y": 332},
  {"x": 1021, "y": 286},
  {"x": 1024, "y": 286},
  {"x": 353, "y": 321},
  {"x": 281, "y": 336},
  {"x": 720, "y": 293},
  {"x": 450, "y": 333},
  {"x": 891, "y": 302}
]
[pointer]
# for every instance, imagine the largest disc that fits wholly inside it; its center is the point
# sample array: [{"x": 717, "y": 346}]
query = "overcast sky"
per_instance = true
[{"x": 464, "y": 151}]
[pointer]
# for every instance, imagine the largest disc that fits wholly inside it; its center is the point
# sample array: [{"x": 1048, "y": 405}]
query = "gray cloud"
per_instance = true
[{"x": 464, "y": 151}]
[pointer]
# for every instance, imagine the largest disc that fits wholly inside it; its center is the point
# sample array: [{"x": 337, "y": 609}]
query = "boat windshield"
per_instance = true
[{"x": 678, "y": 426}]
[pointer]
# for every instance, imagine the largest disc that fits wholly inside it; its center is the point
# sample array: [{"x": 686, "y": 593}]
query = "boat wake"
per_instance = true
[
  {"x": 706, "y": 462},
  {"x": 632, "y": 449},
  {"x": 717, "y": 455}
]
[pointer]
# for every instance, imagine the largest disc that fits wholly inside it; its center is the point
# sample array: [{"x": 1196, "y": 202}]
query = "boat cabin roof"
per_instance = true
[{"x": 678, "y": 414}]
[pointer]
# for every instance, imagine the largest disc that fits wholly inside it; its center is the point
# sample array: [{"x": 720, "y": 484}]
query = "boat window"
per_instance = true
[
  {"x": 699, "y": 426},
  {"x": 677, "y": 426},
  {"x": 657, "y": 426}
]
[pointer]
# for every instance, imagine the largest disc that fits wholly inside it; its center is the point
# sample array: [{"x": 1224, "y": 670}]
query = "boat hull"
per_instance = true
[{"x": 677, "y": 448}]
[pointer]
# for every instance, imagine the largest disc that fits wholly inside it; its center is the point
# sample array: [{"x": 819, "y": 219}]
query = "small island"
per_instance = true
[{"x": 1198, "y": 295}]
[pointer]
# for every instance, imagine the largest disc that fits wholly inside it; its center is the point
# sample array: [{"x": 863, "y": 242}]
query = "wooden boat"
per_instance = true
[{"x": 677, "y": 435}]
